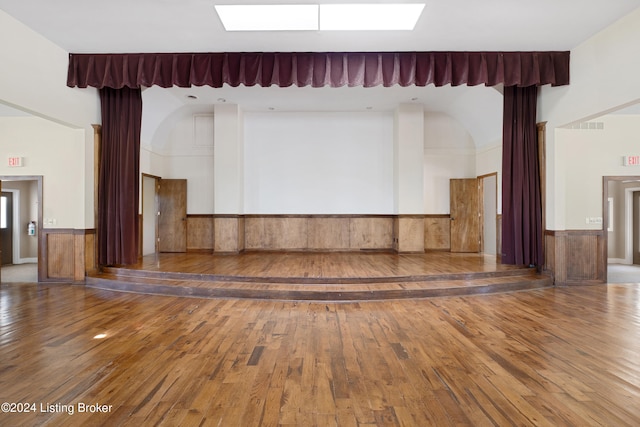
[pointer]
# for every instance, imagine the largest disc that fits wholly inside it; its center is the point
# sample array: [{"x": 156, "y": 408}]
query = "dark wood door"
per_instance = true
[
  {"x": 6, "y": 227},
  {"x": 465, "y": 223},
  {"x": 172, "y": 220}
]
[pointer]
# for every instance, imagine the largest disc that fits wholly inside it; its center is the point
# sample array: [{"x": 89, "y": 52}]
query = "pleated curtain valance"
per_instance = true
[{"x": 335, "y": 69}]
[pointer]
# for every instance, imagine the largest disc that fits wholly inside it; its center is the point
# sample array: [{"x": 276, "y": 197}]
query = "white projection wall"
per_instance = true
[{"x": 318, "y": 163}]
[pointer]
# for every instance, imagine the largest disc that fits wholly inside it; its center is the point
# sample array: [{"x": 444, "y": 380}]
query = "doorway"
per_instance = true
[
  {"x": 489, "y": 213},
  {"x": 21, "y": 206},
  {"x": 621, "y": 224},
  {"x": 150, "y": 211},
  {"x": 6, "y": 227},
  {"x": 635, "y": 227}
]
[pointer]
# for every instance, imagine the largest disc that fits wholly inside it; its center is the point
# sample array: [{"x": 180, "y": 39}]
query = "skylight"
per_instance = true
[
  {"x": 373, "y": 17},
  {"x": 272, "y": 17},
  {"x": 323, "y": 17}
]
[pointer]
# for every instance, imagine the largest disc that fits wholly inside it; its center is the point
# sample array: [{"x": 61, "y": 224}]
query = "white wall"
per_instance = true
[
  {"x": 449, "y": 152},
  {"x": 33, "y": 78},
  {"x": 187, "y": 153},
  {"x": 228, "y": 160},
  {"x": 310, "y": 162},
  {"x": 151, "y": 162},
  {"x": 318, "y": 163},
  {"x": 489, "y": 160},
  {"x": 408, "y": 167},
  {"x": 198, "y": 171},
  {"x": 54, "y": 151},
  {"x": 591, "y": 155},
  {"x": 604, "y": 76}
]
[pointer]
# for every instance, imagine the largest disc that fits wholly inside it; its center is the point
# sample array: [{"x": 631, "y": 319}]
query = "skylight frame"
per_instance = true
[{"x": 320, "y": 17}]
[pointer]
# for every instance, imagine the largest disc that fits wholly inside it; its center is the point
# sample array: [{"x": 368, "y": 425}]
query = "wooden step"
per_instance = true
[{"x": 316, "y": 289}]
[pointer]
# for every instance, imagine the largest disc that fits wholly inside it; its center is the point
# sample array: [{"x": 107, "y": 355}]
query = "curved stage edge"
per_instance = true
[{"x": 318, "y": 276}]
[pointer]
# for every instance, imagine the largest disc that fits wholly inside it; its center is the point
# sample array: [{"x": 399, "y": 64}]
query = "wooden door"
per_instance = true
[
  {"x": 465, "y": 223},
  {"x": 172, "y": 218},
  {"x": 6, "y": 227}
]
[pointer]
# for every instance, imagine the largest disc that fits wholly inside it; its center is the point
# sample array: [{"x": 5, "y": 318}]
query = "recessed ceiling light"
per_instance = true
[
  {"x": 222, "y": 100},
  {"x": 191, "y": 96},
  {"x": 268, "y": 17}
]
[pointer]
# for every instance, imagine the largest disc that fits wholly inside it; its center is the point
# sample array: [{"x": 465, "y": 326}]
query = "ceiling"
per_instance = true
[
  {"x": 92, "y": 26},
  {"x": 98, "y": 26}
]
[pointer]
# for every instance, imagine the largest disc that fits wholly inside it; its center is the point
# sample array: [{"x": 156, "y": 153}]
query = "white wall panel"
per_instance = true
[{"x": 318, "y": 163}]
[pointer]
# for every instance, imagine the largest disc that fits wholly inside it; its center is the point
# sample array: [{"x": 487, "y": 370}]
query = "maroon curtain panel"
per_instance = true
[
  {"x": 318, "y": 69},
  {"x": 119, "y": 176},
  {"x": 521, "y": 196}
]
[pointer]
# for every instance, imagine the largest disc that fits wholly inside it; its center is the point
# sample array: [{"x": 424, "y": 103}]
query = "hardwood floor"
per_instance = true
[
  {"x": 323, "y": 265},
  {"x": 554, "y": 356}
]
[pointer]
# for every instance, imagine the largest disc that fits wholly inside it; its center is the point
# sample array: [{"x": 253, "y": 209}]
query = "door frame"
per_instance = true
[
  {"x": 605, "y": 214},
  {"x": 38, "y": 179},
  {"x": 15, "y": 219},
  {"x": 481, "y": 181},
  {"x": 629, "y": 219},
  {"x": 157, "y": 180}
]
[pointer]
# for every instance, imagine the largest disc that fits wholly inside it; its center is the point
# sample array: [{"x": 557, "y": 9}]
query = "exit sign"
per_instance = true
[
  {"x": 15, "y": 161},
  {"x": 631, "y": 160}
]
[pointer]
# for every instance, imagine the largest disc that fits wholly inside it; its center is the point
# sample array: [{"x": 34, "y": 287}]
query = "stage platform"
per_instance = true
[{"x": 318, "y": 276}]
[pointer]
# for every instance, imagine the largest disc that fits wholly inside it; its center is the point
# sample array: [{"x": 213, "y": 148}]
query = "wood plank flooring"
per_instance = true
[
  {"x": 322, "y": 265},
  {"x": 548, "y": 357}
]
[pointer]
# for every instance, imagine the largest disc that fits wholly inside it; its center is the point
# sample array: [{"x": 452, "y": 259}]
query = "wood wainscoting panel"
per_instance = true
[
  {"x": 499, "y": 236},
  {"x": 228, "y": 233},
  {"x": 409, "y": 232},
  {"x": 318, "y": 232},
  {"x": 79, "y": 256},
  {"x": 275, "y": 232},
  {"x": 437, "y": 232},
  {"x": 67, "y": 255},
  {"x": 328, "y": 233},
  {"x": 576, "y": 256},
  {"x": 254, "y": 233},
  {"x": 199, "y": 233},
  {"x": 90, "y": 255},
  {"x": 550, "y": 261},
  {"x": 583, "y": 263},
  {"x": 371, "y": 232},
  {"x": 60, "y": 253}
]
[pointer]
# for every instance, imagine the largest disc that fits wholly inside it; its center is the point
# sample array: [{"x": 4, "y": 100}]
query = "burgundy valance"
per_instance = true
[{"x": 318, "y": 69}]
